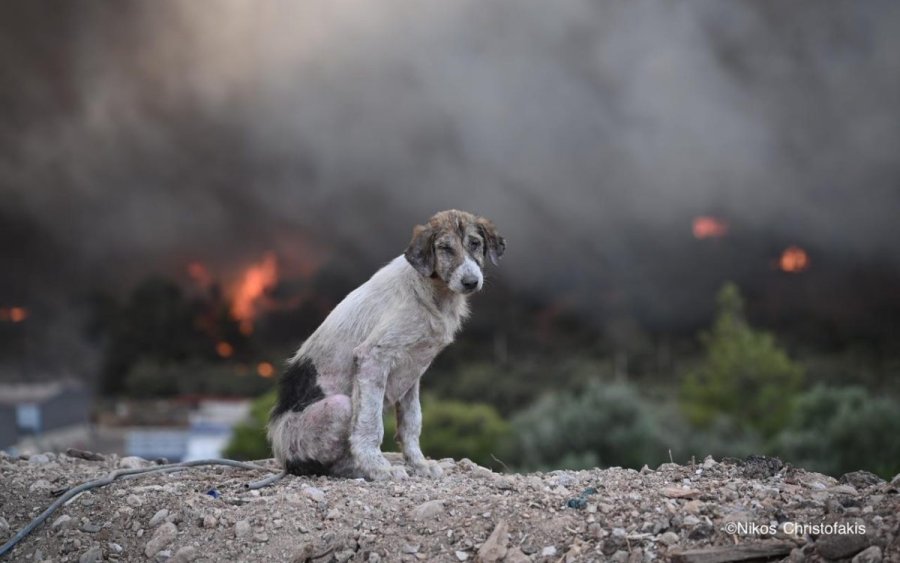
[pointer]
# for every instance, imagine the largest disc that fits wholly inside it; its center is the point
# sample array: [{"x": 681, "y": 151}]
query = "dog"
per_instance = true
[{"x": 372, "y": 350}]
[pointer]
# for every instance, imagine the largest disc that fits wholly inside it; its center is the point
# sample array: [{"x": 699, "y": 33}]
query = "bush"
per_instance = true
[
  {"x": 836, "y": 430},
  {"x": 197, "y": 377},
  {"x": 603, "y": 425},
  {"x": 450, "y": 429},
  {"x": 248, "y": 439},
  {"x": 744, "y": 374}
]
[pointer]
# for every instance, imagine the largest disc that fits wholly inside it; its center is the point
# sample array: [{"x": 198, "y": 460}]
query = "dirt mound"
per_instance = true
[{"x": 708, "y": 512}]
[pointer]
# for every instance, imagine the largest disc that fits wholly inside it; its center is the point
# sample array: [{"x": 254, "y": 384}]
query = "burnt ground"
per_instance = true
[{"x": 712, "y": 511}]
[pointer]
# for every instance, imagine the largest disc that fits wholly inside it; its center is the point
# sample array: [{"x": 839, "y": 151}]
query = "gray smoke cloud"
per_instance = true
[{"x": 139, "y": 135}]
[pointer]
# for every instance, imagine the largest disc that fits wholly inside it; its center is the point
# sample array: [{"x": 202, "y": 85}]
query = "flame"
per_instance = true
[
  {"x": 256, "y": 281},
  {"x": 13, "y": 314},
  {"x": 224, "y": 349},
  {"x": 265, "y": 369},
  {"x": 794, "y": 260},
  {"x": 200, "y": 274},
  {"x": 706, "y": 226}
]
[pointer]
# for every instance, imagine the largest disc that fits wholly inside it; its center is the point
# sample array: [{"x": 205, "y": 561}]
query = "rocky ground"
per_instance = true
[{"x": 712, "y": 511}]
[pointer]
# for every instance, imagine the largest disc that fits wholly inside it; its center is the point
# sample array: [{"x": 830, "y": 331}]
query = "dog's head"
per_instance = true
[{"x": 453, "y": 247}]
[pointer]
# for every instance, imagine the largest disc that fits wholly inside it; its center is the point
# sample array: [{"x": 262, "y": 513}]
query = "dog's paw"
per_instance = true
[
  {"x": 427, "y": 469},
  {"x": 386, "y": 473}
]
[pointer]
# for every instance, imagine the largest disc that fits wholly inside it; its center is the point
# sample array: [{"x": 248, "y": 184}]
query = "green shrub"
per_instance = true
[
  {"x": 455, "y": 429},
  {"x": 744, "y": 375},
  {"x": 450, "y": 429},
  {"x": 606, "y": 424},
  {"x": 835, "y": 430},
  {"x": 248, "y": 439}
]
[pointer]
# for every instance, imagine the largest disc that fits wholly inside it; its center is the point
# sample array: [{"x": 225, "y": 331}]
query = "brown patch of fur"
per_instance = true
[{"x": 440, "y": 246}]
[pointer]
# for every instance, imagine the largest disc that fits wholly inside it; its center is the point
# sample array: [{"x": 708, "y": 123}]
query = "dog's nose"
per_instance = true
[{"x": 470, "y": 283}]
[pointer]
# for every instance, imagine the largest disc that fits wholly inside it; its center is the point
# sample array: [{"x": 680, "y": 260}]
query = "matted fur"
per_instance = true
[{"x": 373, "y": 348}]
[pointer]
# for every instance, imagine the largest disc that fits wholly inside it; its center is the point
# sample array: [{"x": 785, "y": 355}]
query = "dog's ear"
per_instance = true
[
  {"x": 420, "y": 252},
  {"x": 495, "y": 245}
]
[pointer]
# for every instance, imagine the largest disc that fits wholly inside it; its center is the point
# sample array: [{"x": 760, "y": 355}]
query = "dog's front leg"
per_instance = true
[
  {"x": 409, "y": 429},
  {"x": 367, "y": 425}
]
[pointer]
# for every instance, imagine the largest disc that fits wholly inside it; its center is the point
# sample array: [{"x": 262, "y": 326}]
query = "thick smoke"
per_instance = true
[{"x": 139, "y": 135}]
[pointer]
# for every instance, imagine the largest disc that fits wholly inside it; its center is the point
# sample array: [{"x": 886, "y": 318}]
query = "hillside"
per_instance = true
[{"x": 675, "y": 512}]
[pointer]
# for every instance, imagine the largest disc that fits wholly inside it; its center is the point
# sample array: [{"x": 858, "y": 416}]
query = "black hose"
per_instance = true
[{"x": 130, "y": 474}]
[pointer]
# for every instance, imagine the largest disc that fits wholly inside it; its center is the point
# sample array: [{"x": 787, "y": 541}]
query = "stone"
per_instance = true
[
  {"x": 242, "y": 529},
  {"x": 209, "y": 521},
  {"x": 39, "y": 459},
  {"x": 163, "y": 536},
  {"x": 871, "y": 554},
  {"x": 427, "y": 510},
  {"x": 861, "y": 479},
  {"x": 40, "y": 485},
  {"x": 159, "y": 517},
  {"x": 134, "y": 501},
  {"x": 461, "y": 555},
  {"x": 516, "y": 555},
  {"x": 93, "y": 555},
  {"x": 669, "y": 538},
  {"x": 548, "y": 551},
  {"x": 63, "y": 522},
  {"x": 314, "y": 493},
  {"x": 495, "y": 547},
  {"x": 839, "y": 546},
  {"x": 4, "y": 525},
  {"x": 115, "y": 548},
  {"x": 133, "y": 462}
]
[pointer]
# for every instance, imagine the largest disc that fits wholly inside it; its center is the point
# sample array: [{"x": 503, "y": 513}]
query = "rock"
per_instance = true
[
  {"x": 344, "y": 556},
  {"x": 134, "y": 501},
  {"x": 679, "y": 492},
  {"x": 93, "y": 555},
  {"x": 209, "y": 521},
  {"x": 374, "y": 557},
  {"x": 515, "y": 555},
  {"x": 163, "y": 536},
  {"x": 159, "y": 517},
  {"x": 261, "y": 537},
  {"x": 86, "y": 455},
  {"x": 164, "y": 555},
  {"x": 495, "y": 547},
  {"x": 63, "y": 522},
  {"x": 333, "y": 514},
  {"x": 133, "y": 462},
  {"x": 619, "y": 557},
  {"x": 4, "y": 525},
  {"x": 115, "y": 548},
  {"x": 709, "y": 462},
  {"x": 843, "y": 490},
  {"x": 242, "y": 529},
  {"x": 839, "y": 546},
  {"x": 427, "y": 510},
  {"x": 314, "y": 493},
  {"x": 461, "y": 555},
  {"x": 39, "y": 459},
  {"x": 869, "y": 555},
  {"x": 409, "y": 548},
  {"x": 669, "y": 538},
  {"x": 40, "y": 485},
  {"x": 91, "y": 528},
  {"x": 548, "y": 551},
  {"x": 861, "y": 479},
  {"x": 505, "y": 483}
]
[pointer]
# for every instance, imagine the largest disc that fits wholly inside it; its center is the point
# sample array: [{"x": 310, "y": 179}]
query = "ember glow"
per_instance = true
[
  {"x": 13, "y": 314},
  {"x": 265, "y": 369},
  {"x": 200, "y": 274},
  {"x": 251, "y": 289},
  {"x": 224, "y": 349},
  {"x": 709, "y": 227},
  {"x": 794, "y": 260}
]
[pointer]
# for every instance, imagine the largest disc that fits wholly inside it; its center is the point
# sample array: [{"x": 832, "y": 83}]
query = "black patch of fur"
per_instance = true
[
  {"x": 306, "y": 467},
  {"x": 297, "y": 388}
]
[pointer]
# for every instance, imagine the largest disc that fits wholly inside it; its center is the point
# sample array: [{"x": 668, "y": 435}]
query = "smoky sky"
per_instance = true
[{"x": 136, "y": 136}]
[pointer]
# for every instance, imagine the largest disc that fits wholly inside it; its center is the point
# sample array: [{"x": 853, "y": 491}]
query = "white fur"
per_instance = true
[{"x": 372, "y": 349}]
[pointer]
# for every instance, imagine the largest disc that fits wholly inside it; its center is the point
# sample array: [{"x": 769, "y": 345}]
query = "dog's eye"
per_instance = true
[
  {"x": 474, "y": 244},
  {"x": 445, "y": 248}
]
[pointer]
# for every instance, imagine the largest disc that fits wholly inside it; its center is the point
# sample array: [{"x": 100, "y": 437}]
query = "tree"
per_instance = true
[{"x": 744, "y": 374}]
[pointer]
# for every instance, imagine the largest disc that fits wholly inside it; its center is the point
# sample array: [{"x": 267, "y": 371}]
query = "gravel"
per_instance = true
[{"x": 470, "y": 514}]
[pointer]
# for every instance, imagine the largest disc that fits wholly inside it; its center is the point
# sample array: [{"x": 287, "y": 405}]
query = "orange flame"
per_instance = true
[
  {"x": 794, "y": 260},
  {"x": 257, "y": 280},
  {"x": 224, "y": 349},
  {"x": 709, "y": 227},
  {"x": 200, "y": 274},
  {"x": 265, "y": 369},
  {"x": 13, "y": 314}
]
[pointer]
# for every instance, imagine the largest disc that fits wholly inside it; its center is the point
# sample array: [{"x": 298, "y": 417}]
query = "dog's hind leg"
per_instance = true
[{"x": 315, "y": 439}]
